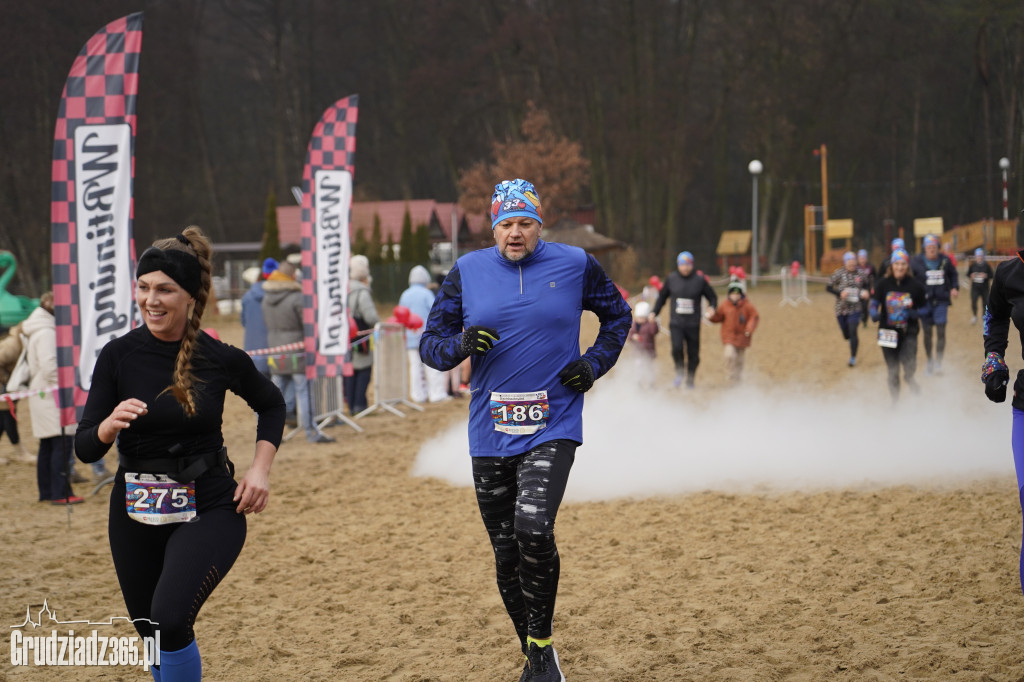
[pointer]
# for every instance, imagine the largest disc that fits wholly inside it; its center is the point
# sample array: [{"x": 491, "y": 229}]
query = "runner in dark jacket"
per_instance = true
[
  {"x": 895, "y": 304},
  {"x": 937, "y": 273},
  {"x": 684, "y": 289},
  {"x": 980, "y": 274}
]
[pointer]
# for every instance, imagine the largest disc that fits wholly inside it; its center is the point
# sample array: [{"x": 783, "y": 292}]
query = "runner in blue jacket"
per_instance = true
[{"x": 515, "y": 310}]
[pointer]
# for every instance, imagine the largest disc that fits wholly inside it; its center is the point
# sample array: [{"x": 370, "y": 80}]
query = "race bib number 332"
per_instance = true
[
  {"x": 520, "y": 413},
  {"x": 155, "y": 499}
]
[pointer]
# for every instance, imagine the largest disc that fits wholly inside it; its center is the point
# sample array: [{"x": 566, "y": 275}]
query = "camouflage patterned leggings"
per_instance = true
[{"x": 518, "y": 499}]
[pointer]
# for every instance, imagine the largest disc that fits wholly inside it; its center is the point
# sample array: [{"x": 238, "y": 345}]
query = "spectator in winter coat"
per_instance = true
[
  {"x": 282, "y": 312},
  {"x": 252, "y": 319},
  {"x": 56, "y": 446},
  {"x": 425, "y": 383},
  {"x": 739, "y": 319},
  {"x": 363, "y": 310}
]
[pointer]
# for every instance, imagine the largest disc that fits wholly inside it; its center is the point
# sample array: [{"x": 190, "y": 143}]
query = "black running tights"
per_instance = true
[
  {"x": 167, "y": 572},
  {"x": 518, "y": 499}
]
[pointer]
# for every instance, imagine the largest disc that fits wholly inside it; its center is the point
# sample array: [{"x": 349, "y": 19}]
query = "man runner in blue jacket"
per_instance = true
[{"x": 514, "y": 309}]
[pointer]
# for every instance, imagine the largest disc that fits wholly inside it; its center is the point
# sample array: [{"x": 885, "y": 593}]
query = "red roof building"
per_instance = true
[{"x": 437, "y": 216}]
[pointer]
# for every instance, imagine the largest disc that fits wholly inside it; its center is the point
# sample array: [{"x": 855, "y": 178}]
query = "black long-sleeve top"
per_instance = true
[
  {"x": 898, "y": 302},
  {"x": 138, "y": 365},
  {"x": 980, "y": 275},
  {"x": 685, "y": 293}
]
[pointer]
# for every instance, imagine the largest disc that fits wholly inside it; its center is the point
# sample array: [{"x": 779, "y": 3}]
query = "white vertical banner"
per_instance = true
[
  {"x": 332, "y": 200},
  {"x": 103, "y": 196}
]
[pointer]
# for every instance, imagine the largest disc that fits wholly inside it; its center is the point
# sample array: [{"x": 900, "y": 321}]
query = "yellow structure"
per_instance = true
[
  {"x": 733, "y": 243},
  {"x": 926, "y": 226}
]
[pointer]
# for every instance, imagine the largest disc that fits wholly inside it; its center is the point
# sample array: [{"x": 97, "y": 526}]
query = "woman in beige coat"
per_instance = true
[{"x": 56, "y": 447}]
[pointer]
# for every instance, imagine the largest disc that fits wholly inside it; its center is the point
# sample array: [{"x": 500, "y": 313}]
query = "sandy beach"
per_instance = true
[{"x": 797, "y": 528}]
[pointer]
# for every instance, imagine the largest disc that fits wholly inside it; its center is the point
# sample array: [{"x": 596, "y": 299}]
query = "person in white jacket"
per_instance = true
[
  {"x": 425, "y": 383},
  {"x": 56, "y": 447}
]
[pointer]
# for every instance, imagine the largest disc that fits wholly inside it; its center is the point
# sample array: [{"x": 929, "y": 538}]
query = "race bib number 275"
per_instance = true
[{"x": 155, "y": 499}]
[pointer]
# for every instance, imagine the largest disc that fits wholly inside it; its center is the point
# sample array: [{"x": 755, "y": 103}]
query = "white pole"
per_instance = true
[
  {"x": 1004, "y": 163},
  {"x": 755, "y": 169}
]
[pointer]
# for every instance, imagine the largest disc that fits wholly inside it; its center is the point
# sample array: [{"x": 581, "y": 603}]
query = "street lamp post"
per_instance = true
[
  {"x": 1004, "y": 164},
  {"x": 755, "y": 169}
]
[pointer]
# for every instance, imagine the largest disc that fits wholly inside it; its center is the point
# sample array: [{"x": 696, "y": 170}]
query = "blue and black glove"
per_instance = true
[
  {"x": 873, "y": 310},
  {"x": 577, "y": 375},
  {"x": 477, "y": 340},
  {"x": 995, "y": 375}
]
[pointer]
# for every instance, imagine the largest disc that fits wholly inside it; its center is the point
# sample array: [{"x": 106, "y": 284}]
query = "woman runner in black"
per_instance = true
[{"x": 177, "y": 517}]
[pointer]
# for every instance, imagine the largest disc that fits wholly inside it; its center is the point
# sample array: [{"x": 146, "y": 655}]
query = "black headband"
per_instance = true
[{"x": 180, "y": 266}]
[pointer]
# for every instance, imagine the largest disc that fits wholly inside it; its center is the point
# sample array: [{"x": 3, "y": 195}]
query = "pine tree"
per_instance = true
[
  {"x": 376, "y": 244},
  {"x": 389, "y": 257},
  {"x": 271, "y": 244},
  {"x": 421, "y": 240},
  {"x": 406, "y": 246},
  {"x": 359, "y": 243}
]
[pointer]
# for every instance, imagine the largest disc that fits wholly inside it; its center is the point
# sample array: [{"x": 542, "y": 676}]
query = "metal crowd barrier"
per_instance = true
[{"x": 390, "y": 371}]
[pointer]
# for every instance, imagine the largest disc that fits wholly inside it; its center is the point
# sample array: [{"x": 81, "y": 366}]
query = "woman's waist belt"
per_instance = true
[{"x": 181, "y": 468}]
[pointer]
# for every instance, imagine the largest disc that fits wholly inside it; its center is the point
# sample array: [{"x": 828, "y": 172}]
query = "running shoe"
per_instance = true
[
  {"x": 74, "y": 499},
  {"x": 544, "y": 664},
  {"x": 677, "y": 381},
  {"x": 929, "y": 367},
  {"x": 974, "y": 319},
  {"x": 853, "y": 362},
  {"x": 322, "y": 438}
]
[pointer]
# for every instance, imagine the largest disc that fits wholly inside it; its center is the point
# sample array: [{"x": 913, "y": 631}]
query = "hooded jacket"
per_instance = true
[
  {"x": 255, "y": 328},
  {"x": 282, "y": 310},
  {"x": 418, "y": 299},
  {"x": 41, "y": 330},
  {"x": 739, "y": 320}
]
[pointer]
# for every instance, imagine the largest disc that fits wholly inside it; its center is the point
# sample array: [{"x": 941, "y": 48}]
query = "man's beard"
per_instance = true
[{"x": 526, "y": 252}]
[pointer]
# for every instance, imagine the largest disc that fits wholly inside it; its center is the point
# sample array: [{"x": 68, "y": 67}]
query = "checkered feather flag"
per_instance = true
[
  {"x": 91, "y": 205},
  {"x": 326, "y": 204}
]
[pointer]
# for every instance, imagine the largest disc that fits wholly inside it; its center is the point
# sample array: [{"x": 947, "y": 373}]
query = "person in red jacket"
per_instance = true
[{"x": 739, "y": 320}]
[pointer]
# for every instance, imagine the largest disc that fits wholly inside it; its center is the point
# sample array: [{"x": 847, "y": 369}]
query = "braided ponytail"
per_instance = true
[{"x": 192, "y": 240}]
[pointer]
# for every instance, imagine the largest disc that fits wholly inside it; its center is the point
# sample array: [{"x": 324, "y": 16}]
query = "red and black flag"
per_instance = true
[
  {"x": 92, "y": 205},
  {"x": 326, "y": 204}
]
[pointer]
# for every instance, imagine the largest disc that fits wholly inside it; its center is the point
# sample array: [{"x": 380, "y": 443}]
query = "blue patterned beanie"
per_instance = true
[{"x": 514, "y": 198}]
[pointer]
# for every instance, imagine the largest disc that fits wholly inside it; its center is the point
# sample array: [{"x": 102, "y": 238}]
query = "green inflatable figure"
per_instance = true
[{"x": 13, "y": 309}]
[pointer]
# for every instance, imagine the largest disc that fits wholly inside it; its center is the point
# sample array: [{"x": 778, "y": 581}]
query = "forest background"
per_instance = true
[{"x": 667, "y": 100}]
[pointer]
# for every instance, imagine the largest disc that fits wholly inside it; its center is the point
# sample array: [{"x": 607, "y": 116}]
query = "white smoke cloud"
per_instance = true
[{"x": 641, "y": 443}]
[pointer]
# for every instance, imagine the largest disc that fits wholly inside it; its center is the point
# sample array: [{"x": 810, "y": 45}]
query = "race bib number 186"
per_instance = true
[
  {"x": 520, "y": 413},
  {"x": 155, "y": 499}
]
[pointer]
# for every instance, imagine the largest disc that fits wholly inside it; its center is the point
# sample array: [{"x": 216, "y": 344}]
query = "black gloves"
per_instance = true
[
  {"x": 995, "y": 375},
  {"x": 477, "y": 340},
  {"x": 577, "y": 375}
]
